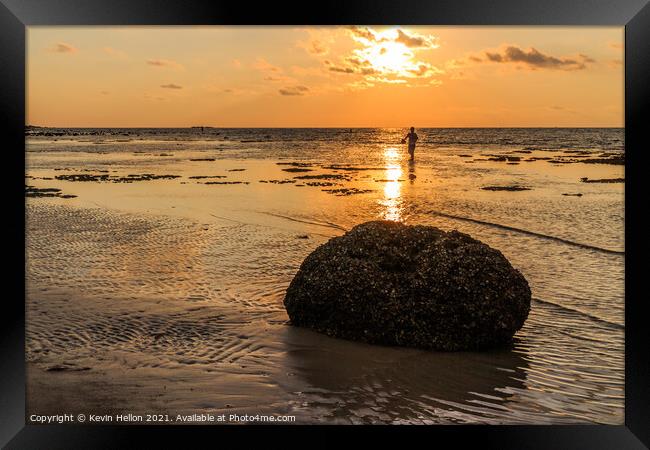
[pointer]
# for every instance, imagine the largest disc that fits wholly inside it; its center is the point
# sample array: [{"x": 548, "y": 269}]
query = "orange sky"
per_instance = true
[{"x": 325, "y": 76}]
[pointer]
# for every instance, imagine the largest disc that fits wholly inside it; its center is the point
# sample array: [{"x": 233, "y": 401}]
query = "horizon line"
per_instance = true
[{"x": 315, "y": 127}]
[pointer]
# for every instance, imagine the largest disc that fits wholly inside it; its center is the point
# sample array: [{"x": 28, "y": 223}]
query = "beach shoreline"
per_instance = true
[{"x": 160, "y": 284}]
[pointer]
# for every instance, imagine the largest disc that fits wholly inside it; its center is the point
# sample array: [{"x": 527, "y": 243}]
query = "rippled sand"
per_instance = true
[{"x": 165, "y": 295}]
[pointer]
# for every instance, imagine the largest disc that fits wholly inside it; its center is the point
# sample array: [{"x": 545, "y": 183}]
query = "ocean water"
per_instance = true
[
  {"x": 181, "y": 281},
  {"x": 329, "y": 142}
]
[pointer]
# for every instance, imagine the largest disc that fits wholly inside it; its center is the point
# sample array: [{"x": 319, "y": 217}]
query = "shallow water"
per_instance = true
[{"x": 174, "y": 287}]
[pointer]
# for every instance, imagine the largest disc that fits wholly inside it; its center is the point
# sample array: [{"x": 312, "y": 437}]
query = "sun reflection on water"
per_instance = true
[{"x": 392, "y": 200}]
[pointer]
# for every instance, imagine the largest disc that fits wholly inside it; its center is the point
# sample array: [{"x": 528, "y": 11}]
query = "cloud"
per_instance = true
[
  {"x": 263, "y": 65},
  {"x": 360, "y": 57},
  {"x": 357, "y": 61},
  {"x": 390, "y": 56},
  {"x": 314, "y": 47},
  {"x": 318, "y": 48},
  {"x": 236, "y": 63},
  {"x": 363, "y": 70},
  {"x": 411, "y": 39},
  {"x": 368, "y": 71},
  {"x": 534, "y": 59},
  {"x": 153, "y": 97},
  {"x": 586, "y": 58},
  {"x": 271, "y": 72},
  {"x": 361, "y": 84},
  {"x": 62, "y": 47},
  {"x": 424, "y": 69},
  {"x": 294, "y": 90},
  {"x": 342, "y": 69},
  {"x": 171, "y": 86},
  {"x": 415, "y": 40},
  {"x": 361, "y": 66},
  {"x": 104, "y": 92},
  {"x": 318, "y": 41},
  {"x": 363, "y": 33},
  {"x": 616, "y": 45},
  {"x": 313, "y": 71},
  {"x": 563, "y": 109},
  {"x": 164, "y": 63},
  {"x": 279, "y": 78},
  {"x": 387, "y": 80},
  {"x": 236, "y": 91}
]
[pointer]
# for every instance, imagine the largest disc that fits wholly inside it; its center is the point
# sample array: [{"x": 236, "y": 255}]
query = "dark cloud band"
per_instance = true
[{"x": 536, "y": 59}]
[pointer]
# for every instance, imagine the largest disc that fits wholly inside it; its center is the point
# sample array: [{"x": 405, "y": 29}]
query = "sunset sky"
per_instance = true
[{"x": 325, "y": 76}]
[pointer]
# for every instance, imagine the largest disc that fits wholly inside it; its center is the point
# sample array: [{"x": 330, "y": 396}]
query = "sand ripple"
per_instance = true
[{"x": 122, "y": 294}]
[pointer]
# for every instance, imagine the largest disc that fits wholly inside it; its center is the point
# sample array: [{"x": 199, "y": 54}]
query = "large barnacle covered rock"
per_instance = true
[{"x": 388, "y": 283}]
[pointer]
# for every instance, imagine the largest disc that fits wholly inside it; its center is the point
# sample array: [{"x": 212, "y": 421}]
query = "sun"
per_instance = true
[
  {"x": 385, "y": 58},
  {"x": 389, "y": 57}
]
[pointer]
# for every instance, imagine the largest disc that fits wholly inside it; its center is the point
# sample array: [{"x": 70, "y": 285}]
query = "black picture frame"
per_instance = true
[{"x": 16, "y": 15}]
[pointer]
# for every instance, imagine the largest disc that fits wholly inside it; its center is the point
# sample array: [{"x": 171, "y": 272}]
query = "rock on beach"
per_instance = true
[{"x": 416, "y": 286}]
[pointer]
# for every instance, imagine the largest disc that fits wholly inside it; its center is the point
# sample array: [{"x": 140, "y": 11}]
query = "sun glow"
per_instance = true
[{"x": 390, "y": 56}]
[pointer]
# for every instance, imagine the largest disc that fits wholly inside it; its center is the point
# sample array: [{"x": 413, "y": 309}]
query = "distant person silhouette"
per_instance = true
[{"x": 412, "y": 139}]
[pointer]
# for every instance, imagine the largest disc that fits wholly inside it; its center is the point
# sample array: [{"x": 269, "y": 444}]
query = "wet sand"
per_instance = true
[{"x": 151, "y": 294}]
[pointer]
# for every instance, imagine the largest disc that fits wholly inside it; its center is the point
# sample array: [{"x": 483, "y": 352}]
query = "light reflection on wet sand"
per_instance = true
[{"x": 392, "y": 188}]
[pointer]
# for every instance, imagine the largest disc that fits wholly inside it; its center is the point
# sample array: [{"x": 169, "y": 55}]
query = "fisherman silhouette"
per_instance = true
[{"x": 412, "y": 138}]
